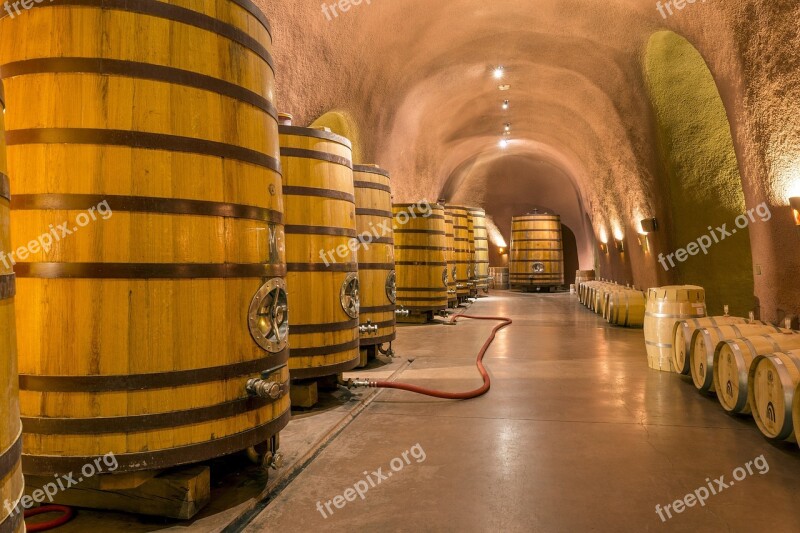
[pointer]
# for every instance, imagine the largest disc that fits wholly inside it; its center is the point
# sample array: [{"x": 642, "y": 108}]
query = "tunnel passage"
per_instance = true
[{"x": 699, "y": 173}]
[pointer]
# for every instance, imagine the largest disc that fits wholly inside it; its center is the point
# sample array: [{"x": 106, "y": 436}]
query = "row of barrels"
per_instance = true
[
  {"x": 159, "y": 328},
  {"x": 618, "y": 305},
  {"x": 752, "y": 367},
  {"x": 442, "y": 255}
]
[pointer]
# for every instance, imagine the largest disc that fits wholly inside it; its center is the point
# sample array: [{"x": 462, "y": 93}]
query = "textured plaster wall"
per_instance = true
[
  {"x": 704, "y": 186},
  {"x": 413, "y": 76}
]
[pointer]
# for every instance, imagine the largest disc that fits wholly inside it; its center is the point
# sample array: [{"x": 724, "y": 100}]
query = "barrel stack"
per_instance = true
[{"x": 170, "y": 339}]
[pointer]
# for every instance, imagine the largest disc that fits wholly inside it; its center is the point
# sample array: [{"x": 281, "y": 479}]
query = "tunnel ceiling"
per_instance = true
[{"x": 415, "y": 77}]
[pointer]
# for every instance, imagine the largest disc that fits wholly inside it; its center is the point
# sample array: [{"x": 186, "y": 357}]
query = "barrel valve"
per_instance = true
[
  {"x": 752, "y": 317},
  {"x": 265, "y": 389},
  {"x": 402, "y": 311},
  {"x": 359, "y": 383},
  {"x": 273, "y": 460},
  {"x": 368, "y": 328}
]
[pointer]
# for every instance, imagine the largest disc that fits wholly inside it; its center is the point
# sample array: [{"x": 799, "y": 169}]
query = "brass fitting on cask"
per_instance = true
[
  {"x": 401, "y": 311},
  {"x": 265, "y": 389},
  {"x": 368, "y": 328}
]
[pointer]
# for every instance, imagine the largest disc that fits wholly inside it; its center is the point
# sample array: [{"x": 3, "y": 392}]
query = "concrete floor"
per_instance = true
[{"x": 577, "y": 434}]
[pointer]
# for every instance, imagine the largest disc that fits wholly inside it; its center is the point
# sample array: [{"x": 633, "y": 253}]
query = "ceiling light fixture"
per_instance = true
[
  {"x": 507, "y": 127},
  {"x": 505, "y": 104},
  {"x": 503, "y": 143},
  {"x": 498, "y": 73}
]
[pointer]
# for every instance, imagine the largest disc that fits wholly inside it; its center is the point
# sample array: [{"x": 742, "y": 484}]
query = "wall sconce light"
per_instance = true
[
  {"x": 619, "y": 244},
  {"x": 795, "y": 203},
  {"x": 643, "y": 242},
  {"x": 604, "y": 247},
  {"x": 502, "y": 250},
  {"x": 649, "y": 225}
]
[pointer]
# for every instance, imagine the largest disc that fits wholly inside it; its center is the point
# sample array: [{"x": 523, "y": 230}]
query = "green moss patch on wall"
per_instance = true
[{"x": 700, "y": 171}]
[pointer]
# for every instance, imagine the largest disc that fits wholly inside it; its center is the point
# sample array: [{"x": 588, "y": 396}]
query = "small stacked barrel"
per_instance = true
[
  {"x": 322, "y": 279},
  {"x": 499, "y": 277},
  {"x": 450, "y": 258},
  {"x": 665, "y": 307},
  {"x": 11, "y": 481},
  {"x": 537, "y": 252},
  {"x": 481, "y": 264},
  {"x": 705, "y": 341},
  {"x": 625, "y": 307},
  {"x": 462, "y": 247},
  {"x": 158, "y": 333},
  {"x": 420, "y": 244},
  {"x": 375, "y": 255}
]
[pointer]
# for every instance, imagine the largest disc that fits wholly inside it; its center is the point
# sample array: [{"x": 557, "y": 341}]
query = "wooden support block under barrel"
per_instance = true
[
  {"x": 177, "y": 493},
  {"x": 304, "y": 394}
]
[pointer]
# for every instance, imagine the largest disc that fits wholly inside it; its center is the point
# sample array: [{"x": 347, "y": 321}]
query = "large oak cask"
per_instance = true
[
  {"x": 537, "y": 252},
  {"x": 11, "y": 481},
  {"x": 376, "y": 271},
  {"x": 450, "y": 258},
  {"x": 321, "y": 252},
  {"x": 462, "y": 250},
  {"x": 420, "y": 243},
  {"x": 143, "y": 141},
  {"x": 481, "y": 263}
]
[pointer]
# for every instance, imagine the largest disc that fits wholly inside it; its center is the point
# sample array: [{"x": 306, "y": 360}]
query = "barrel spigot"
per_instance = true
[
  {"x": 262, "y": 388},
  {"x": 368, "y": 328}
]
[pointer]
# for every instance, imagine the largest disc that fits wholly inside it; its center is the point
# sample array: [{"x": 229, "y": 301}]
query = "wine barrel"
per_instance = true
[
  {"x": 704, "y": 344},
  {"x": 462, "y": 248},
  {"x": 450, "y": 259},
  {"x": 772, "y": 382},
  {"x": 481, "y": 263},
  {"x": 11, "y": 482},
  {"x": 683, "y": 333},
  {"x": 161, "y": 308},
  {"x": 473, "y": 282},
  {"x": 626, "y": 308},
  {"x": 537, "y": 252},
  {"x": 665, "y": 307},
  {"x": 733, "y": 359},
  {"x": 420, "y": 242},
  {"x": 499, "y": 277},
  {"x": 376, "y": 272},
  {"x": 321, "y": 245},
  {"x": 582, "y": 276}
]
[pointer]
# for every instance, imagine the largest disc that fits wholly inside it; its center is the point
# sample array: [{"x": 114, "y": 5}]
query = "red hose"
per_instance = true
[
  {"x": 65, "y": 517},
  {"x": 483, "y": 389}
]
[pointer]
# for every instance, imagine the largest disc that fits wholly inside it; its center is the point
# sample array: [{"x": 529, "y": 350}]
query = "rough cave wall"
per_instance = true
[
  {"x": 417, "y": 84},
  {"x": 701, "y": 174}
]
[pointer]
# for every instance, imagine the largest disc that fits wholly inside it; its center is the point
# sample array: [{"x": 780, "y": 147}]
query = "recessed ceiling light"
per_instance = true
[
  {"x": 498, "y": 73},
  {"x": 503, "y": 143},
  {"x": 505, "y": 104},
  {"x": 507, "y": 127}
]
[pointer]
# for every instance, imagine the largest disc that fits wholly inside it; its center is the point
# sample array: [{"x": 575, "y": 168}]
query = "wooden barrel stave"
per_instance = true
[
  {"x": 321, "y": 251},
  {"x": 376, "y": 259},
  {"x": 111, "y": 280},
  {"x": 463, "y": 258}
]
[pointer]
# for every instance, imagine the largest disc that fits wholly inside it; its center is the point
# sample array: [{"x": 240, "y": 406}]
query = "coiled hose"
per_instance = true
[{"x": 480, "y": 391}]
